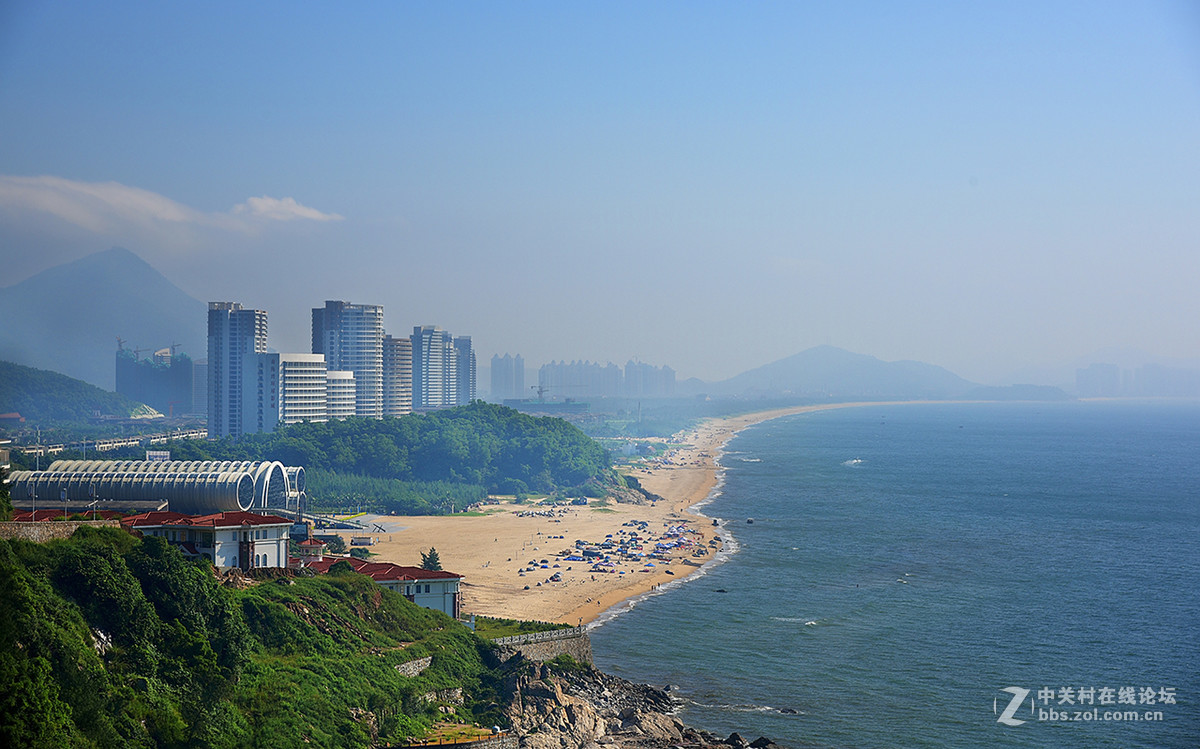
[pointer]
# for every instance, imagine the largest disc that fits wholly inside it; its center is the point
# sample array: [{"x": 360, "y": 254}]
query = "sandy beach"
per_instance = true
[{"x": 494, "y": 552}]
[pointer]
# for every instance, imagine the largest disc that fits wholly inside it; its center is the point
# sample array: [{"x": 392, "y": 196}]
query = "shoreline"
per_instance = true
[{"x": 493, "y": 551}]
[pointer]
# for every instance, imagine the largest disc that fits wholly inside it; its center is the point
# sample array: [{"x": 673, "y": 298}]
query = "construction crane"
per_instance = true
[
  {"x": 120, "y": 343},
  {"x": 541, "y": 391}
]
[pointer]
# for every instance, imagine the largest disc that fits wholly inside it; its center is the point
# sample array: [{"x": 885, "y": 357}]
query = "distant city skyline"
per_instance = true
[
  {"x": 355, "y": 369},
  {"x": 998, "y": 189}
]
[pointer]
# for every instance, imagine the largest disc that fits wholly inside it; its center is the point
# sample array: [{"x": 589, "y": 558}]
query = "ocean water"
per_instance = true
[{"x": 908, "y": 563}]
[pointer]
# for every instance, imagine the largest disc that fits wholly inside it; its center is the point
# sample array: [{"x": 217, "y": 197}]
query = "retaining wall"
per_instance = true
[
  {"x": 544, "y": 646},
  {"x": 44, "y": 531},
  {"x": 415, "y": 667}
]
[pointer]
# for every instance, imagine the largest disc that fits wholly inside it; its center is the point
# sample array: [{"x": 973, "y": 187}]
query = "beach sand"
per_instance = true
[{"x": 491, "y": 551}]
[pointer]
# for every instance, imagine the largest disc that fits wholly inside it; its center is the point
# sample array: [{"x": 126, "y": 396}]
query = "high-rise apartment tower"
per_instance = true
[
  {"x": 351, "y": 338},
  {"x": 397, "y": 376},
  {"x": 234, "y": 334}
]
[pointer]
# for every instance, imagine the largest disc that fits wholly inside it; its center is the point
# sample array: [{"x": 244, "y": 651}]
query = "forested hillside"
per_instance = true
[
  {"x": 482, "y": 444},
  {"x": 108, "y": 640},
  {"x": 49, "y": 397}
]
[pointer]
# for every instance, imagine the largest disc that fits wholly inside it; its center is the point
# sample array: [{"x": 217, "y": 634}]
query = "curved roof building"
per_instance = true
[{"x": 194, "y": 487}]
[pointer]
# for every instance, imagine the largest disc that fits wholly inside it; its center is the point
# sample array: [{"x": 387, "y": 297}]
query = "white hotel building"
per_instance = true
[{"x": 242, "y": 540}]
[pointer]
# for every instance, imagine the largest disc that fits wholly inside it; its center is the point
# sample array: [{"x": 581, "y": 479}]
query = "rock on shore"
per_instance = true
[{"x": 583, "y": 708}]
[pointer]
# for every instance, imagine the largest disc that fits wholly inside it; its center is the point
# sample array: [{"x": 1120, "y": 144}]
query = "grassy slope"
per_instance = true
[{"x": 108, "y": 640}]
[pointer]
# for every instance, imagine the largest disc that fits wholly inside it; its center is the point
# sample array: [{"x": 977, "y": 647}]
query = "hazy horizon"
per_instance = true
[{"x": 706, "y": 186}]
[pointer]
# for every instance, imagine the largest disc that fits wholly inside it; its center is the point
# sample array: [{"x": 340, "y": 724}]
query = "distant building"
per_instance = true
[
  {"x": 580, "y": 379},
  {"x": 234, "y": 334},
  {"x": 434, "y": 368},
  {"x": 585, "y": 379},
  {"x": 164, "y": 383},
  {"x": 351, "y": 338},
  {"x": 302, "y": 387},
  {"x": 339, "y": 394},
  {"x": 464, "y": 375},
  {"x": 508, "y": 377},
  {"x": 1098, "y": 380},
  {"x": 230, "y": 540},
  {"x": 200, "y": 387},
  {"x": 443, "y": 367},
  {"x": 397, "y": 376},
  {"x": 260, "y": 393},
  {"x": 433, "y": 589},
  {"x": 647, "y": 381}
]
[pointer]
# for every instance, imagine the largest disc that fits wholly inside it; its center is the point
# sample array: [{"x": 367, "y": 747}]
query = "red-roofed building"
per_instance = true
[
  {"x": 244, "y": 540},
  {"x": 433, "y": 589},
  {"x": 311, "y": 550}
]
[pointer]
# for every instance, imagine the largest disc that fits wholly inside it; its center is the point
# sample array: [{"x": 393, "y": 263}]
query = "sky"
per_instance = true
[{"x": 996, "y": 188}]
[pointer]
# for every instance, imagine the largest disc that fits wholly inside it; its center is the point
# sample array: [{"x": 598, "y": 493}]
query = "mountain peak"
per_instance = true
[
  {"x": 73, "y": 313},
  {"x": 831, "y": 371}
]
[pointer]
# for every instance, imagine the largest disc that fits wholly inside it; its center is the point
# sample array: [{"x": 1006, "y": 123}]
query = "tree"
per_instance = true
[
  {"x": 336, "y": 544},
  {"x": 429, "y": 560},
  {"x": 359, "y": 553}
]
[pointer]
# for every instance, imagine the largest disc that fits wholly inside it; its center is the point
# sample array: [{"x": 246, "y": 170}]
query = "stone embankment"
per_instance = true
[
  {"x": 583, "y": 708},
  {"x": 546, "y": 646},
  {"x": 41, "y": 532}
]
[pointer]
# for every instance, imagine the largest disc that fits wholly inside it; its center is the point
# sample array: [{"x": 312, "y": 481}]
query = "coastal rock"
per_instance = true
[{"x": 582, "y": 708}]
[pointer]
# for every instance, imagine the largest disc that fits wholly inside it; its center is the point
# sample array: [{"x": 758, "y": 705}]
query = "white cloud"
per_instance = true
[
  {"x": 110, "y": 208},
  {"x": 281, "y": 209},
  {"x": 101, "y": 207}
]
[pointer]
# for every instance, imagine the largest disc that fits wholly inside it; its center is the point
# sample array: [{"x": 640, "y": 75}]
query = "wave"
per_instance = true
[
  {"x": 745, "y": 708},
  {"x": 853, "y": 462}
]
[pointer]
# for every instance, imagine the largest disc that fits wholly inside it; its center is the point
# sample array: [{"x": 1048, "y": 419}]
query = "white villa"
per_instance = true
[{"x": 243, "y": 540}]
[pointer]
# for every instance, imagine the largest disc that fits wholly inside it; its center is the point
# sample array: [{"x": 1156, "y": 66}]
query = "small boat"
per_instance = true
[{"x": 750, "y": 521}]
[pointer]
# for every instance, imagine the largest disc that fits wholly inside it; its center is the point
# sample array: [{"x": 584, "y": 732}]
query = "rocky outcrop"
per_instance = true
[{"x": 582, "y": 708}]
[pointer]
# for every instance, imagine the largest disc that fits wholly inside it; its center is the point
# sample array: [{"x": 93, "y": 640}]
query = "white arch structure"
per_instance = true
[{"x": 196, "y": 487}]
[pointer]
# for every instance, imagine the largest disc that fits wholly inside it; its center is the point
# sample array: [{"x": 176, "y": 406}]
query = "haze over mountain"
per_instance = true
[
  {"x": 831, "y": 371},
  {"x": 67, "y": 318}
]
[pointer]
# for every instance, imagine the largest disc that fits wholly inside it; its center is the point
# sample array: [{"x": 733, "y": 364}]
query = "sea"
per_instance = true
[{"x": 941, "y": 575}]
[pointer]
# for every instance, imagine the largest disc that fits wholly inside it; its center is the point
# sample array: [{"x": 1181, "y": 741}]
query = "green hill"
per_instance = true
[
  {"x": 49, "y": 397},
  {"x": 108, "y": 640},
  {"x": 479, "y": 445}
]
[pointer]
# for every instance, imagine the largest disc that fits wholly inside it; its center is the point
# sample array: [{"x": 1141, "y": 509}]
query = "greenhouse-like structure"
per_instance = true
[{"x": 195, "y": 487}]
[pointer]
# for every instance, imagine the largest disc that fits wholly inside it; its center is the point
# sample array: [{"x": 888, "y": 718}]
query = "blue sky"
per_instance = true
[{"x": 996, "y": 188}]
